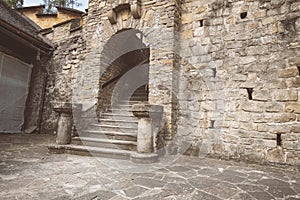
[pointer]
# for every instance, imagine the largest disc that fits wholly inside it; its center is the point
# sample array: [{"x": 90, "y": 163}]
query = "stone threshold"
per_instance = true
[{"x": 103, "y": 152}]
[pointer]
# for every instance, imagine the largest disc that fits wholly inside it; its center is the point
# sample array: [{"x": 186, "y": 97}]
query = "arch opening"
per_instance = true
[{"x": 125, "y": 59}]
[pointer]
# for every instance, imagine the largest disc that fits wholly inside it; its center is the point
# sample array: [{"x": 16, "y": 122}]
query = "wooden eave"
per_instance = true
[{"x": 25, "y": 38}]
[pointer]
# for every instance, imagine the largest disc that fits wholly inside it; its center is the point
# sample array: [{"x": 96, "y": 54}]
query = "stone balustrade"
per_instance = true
[
  {"x": 147, "y": 115},
  {"x": 64, "y": 126}
]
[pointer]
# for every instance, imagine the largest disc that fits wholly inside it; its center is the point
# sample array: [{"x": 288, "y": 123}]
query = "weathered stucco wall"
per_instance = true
[
  {"x": 48, "y": 20},
  {"x": 226, "y": 72}
]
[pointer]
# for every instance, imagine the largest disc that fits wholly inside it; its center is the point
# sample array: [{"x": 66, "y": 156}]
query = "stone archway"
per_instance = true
[{"x": 125, "y": 59}]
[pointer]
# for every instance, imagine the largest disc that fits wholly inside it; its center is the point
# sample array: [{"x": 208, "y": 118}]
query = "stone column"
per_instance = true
[
  {"x": 64, "y": 128},
  {"x": 146, "y": 113}
]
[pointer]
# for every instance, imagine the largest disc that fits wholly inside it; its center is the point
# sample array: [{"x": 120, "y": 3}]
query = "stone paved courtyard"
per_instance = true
[{"x": 27, "y": 171}]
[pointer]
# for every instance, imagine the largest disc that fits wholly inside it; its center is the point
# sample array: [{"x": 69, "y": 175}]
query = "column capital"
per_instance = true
[{"x": 146, "y": 110}]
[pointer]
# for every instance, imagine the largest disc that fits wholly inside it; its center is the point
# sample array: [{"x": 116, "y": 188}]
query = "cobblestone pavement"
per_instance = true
[{"x": 27, "y": 171}]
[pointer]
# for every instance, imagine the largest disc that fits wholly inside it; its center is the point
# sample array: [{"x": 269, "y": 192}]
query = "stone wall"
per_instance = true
[
  {"x": 62, "y": 72},
  {"x": 157, "y": 22},
  {"x": 226, "y": 72},
  {"x": 239, "y": 83}
]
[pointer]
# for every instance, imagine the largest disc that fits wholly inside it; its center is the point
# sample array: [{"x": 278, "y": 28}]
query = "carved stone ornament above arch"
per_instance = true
[{"x": 134, "y": 6}]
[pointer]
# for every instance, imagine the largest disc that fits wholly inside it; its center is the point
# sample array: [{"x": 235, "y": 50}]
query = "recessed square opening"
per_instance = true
[
  {"x": 243, "y": 15},
  {"x": 298, "y": 67},
  {"x": 214, "y": 72},
  {"x": 279, "y": 139},
  {"x": 212, "y": 123},
  {"x": 250, "y": 92},
  {"x": 201, "y": 24}
]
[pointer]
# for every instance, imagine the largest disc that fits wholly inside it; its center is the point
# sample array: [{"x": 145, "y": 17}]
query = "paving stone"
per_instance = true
[
  {"x": 243, "y": 196},
  {"x": 262, "y": 195},
  {"x": 172, "y": 179},
  {"x": 101, "y": 195},
  {"x": 179, "y": 169},
  {"x": 134, "y": 191},
  {"x": 203, "y": 182},
  {"x": 229, "y": 176},
  {"x": 177, "y": 189},
  {"x": 150, "y": 183},
  {"x": 278, "y": 188},
  {"x": 61, "y": 176},
  {"x": 223, "y": 190},
  {"x": 199, "y": 195}
]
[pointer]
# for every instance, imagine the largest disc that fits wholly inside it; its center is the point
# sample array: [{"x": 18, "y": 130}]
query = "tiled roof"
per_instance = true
[
  {"x": 69, "y": 9},
  {"x": 18, "y": 23}
]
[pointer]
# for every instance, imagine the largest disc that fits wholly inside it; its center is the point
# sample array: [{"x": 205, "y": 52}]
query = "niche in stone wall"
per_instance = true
[
  {"x": 243, "y": 15},
  {"x": 250, "y": 92},
  {"x": 279, "y": 139}
]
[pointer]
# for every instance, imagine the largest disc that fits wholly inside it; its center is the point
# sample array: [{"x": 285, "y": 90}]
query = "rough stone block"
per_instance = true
[
  {"x": 286, "y": 95},
  {"x": 269, "y": 143},
  {"x": 187, "y": 18},
  {"x": 296, "y": 129},
  {"x": 258, "y": 13},
  {"x": 262, "y": 128},
  {"x": 280, "y": 128},
  {"x": 187, "y": 34},
  {"x": 247, "y": 60},
  {"x": 261, "y": 95},
  {"x": 267, "y": 20},
  {"x": 199, "y": 31},
  {"x": 293, "y": 83},
  {"x": 294, "y": 61},
  {"x": 201, "y": 9},
  {"x": 291, "y": 145},
  {"x": 293, "y": 107},
  {"x": 239, "y": 77},
  {"x": 283, "y": 118},
  {"x": 274, "y": 107},
  {"x": 287, "y": 73},
  {"x": 276, "y": 155},
  {"x": 253, "y": 106}
]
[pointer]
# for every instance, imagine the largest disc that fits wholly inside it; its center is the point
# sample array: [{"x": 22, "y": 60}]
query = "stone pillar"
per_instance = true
[
  {"x": 64, "y": 128},
  {"x": 146, "y": 113}
]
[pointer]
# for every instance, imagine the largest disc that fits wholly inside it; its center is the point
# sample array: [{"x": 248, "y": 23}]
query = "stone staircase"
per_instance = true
[{"x": 114, "y": 135}]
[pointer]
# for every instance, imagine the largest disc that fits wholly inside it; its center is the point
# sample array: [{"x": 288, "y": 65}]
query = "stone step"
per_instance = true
[
  {"x": 103, "y": 152},
  {"x": 125, "y": 102},
  {"x": 140, "y": 93},
  {"x": 129, "y": 136},
  {"x": 128, "y": 123},
  {"x": 114, "y": 128},
  {"x": 129, "y": 114},
  {"x": 138, "y": 98},
  {"x": 116, "y": 116},
  {"x": 122, "y": 106},
  {"x": 122, "y": 111},
  {"x": 105, "y": 143}
]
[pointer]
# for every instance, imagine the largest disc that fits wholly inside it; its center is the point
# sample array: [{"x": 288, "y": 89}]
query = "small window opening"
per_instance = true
[
  {"x": 214, "y": 71},
  {"x": 298, "y": 67},
  {"x": 201, "y": 23},
  {"x": 250, "y": 91},
  {"x": 243, "y": 15},
  {"x": 212, "y": 123},
  {"x": 279, "y": 140}
]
